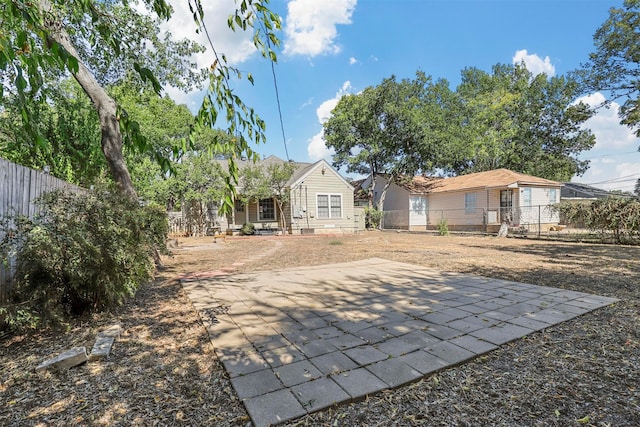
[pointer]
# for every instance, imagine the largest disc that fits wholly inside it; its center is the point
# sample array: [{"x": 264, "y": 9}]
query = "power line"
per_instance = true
[
  {"x": 614, "y": 180},
  {"x": 610, "y": 155}
]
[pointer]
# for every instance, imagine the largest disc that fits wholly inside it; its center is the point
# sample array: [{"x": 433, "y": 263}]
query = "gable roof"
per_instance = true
[
  {"x": 490, "y": 179},
  {"x": 302, "y": 169},
  {"x": 301, "y": 173}
]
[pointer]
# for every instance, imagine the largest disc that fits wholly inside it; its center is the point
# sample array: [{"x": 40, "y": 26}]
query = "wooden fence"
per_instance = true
[{"x": 19, "y": 187}]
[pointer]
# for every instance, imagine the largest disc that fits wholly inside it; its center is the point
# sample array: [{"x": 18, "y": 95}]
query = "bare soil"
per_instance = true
[{"x": 163, "y": 370}]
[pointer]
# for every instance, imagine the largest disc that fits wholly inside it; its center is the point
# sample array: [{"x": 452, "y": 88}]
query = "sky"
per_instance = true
[{"x": 336, "y": 47}]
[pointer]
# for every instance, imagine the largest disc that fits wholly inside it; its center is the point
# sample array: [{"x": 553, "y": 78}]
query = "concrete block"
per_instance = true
[
  {"x": 65, "y": 360},
  {"x": 104, "y": 342}
]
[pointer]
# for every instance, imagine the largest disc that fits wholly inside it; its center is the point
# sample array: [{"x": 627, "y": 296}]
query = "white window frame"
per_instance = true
[
  {"x": 553, "y": 194},
  {"x": 526, "y": 197},
  {"x": 329, "y": 195},
  {"x": 470, "y": 200}
]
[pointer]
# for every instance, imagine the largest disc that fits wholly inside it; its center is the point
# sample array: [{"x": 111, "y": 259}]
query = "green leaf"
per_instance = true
[
  {"x": 21, "y": 82},
  {"x": 584, "y": 420}
]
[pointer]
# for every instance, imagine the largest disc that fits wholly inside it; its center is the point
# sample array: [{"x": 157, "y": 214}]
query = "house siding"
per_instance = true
[
  {"x": 451, "y": 207},
  {"x": 304, "y": 197},
  {"x": 538, "y": 212}
]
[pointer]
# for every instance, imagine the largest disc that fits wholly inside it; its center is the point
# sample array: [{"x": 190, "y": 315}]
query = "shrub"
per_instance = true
[
  {"x": 613, "y": 218},
  {"x": 373, "y": 217},
  {"x": 443, "y": 227},
  {"x": 84, "y": 251},
  {"x": 248, "y": 229}
]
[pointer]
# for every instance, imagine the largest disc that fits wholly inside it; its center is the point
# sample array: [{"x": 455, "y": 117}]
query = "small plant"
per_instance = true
[
  {"x": 335, "y": 242},
  {"x": 373, "y": 217},
  {"x": 443, "y": 227},
  {"x": 248, "y": 229}
]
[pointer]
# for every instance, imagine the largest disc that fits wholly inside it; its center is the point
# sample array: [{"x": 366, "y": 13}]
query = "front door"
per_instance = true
[
  {"x": 418, "y": 212},
  {"x": 506, "y": 206}
]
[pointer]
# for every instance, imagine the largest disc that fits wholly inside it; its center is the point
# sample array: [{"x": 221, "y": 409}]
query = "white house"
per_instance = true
[{"x": 477, "y": 201}]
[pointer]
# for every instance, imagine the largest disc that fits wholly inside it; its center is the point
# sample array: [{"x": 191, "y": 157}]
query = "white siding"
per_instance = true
[
  {"x": 538, "y": 212},
  {"x": 396, "y": 204}
]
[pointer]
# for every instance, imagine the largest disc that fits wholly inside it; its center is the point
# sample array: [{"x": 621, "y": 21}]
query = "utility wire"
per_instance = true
[{"x": 275, "y": 85}]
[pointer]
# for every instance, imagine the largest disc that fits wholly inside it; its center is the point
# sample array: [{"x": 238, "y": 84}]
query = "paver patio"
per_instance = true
[{"x": 299, "y": 340}]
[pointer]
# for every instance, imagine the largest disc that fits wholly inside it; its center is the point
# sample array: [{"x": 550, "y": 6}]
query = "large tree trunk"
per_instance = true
[
  {"x": 111, "y": 139},
  {"x": 383, "y": 196}
]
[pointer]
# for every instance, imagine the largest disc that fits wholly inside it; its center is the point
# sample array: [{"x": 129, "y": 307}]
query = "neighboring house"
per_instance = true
[
  {"x": 320, "y": 201},
  {"x": 575, "y": 192},
  {"x": 477, "y": 201}
]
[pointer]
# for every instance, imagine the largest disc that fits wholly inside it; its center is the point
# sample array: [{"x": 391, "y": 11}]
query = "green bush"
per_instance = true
[
  {"x": 614, "y": 219},
  {"x": 373, "y": 217},
  {"x": 443, "y": 227},
  {"x": 248, "y": 229},
  {"x": 84, "y": 251}
]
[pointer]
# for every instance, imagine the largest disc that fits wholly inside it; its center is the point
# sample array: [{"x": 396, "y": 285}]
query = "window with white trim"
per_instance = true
[
  {"x": 329, "y": 205},
  {"x": 266, "y": 210},
  {"x": 552, "y": 196},
  {"x": 469, "y": 203},
  {"x": 526, "y": 197}
]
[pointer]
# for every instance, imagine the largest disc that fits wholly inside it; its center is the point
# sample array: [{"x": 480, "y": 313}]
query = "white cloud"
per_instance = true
[
  {"x": 237, "y": 46},
  {"x": 534, "y": 63},
  {"x": 310, "y": 26},
  {"x": 317, "y": 148},
  {"x": 605, "y": 124},
  {"x": 615, "y": 154},
  {"x": 353, "y": 61},
  {"x": 611, "y": 174}
]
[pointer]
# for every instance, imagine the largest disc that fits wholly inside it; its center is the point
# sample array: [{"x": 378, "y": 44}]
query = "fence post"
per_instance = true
[{"x": 539, "y": 220}]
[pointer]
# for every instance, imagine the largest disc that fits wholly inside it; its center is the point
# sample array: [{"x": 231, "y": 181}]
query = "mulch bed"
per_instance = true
[{"x": 163, "y": 371}]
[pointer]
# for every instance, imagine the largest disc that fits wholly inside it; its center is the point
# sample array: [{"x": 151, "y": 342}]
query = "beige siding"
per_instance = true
[
  {"x": 304, "y": 198},
  {"x": 451, "y": 206}
]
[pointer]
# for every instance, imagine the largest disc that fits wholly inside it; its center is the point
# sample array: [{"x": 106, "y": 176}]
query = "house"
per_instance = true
[
  {"x": 575, "y": 192},
  {"x": 479, "y": 201},
  {"x": 320, "y": 201}
]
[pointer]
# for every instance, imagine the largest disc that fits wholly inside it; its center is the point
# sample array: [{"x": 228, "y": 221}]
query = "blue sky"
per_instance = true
[{"x": 333, "y": 47}]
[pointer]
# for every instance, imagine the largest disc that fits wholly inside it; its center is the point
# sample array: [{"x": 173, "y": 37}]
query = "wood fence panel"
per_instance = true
[{"x": 19, "y": 188}]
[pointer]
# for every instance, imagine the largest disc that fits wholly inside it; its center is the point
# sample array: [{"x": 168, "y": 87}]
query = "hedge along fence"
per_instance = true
[
  {"x": 614, "y": 219},
  {"x": 19, "y": 188}
]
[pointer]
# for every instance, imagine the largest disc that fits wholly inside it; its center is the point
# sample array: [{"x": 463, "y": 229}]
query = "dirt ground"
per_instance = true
[{"x": 163, "y": 371}]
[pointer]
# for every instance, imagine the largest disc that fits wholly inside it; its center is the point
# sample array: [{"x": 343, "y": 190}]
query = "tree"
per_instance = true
[
  {"x": 515, "y": 120},
  {"x": 261, "y": 181},
  {"x": 71, "y": 128},
  {"x": 381, "y": 131},
  {"x": 53, "y": 35},
  {"x": 614, "y": 66}
]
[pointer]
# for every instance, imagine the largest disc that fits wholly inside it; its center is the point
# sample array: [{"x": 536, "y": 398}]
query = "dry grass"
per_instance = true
[{"x": 163, "y": 370}]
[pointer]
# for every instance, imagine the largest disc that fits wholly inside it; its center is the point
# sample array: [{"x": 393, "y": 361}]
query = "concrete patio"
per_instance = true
[{"x": 299, "y": 340}]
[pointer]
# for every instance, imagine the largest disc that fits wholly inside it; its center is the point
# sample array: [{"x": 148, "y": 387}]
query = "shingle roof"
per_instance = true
[
  {"x": 582, "y": 191},
  {"x": 493, "y": 178},
  {"x": 301, "y": 167},
  {"x": 488, "y": 179}
]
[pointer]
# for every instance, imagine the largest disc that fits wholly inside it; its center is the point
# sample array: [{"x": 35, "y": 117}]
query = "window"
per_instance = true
[
  {"x": 266, "y": 210},
  {"x": 469, "y": 203},
  {"x": 239, "y": 205},
  {"x": 526, "y": 197},
  {"x": 552, "y": 196},
  {"x": 329, "y": 205}
]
